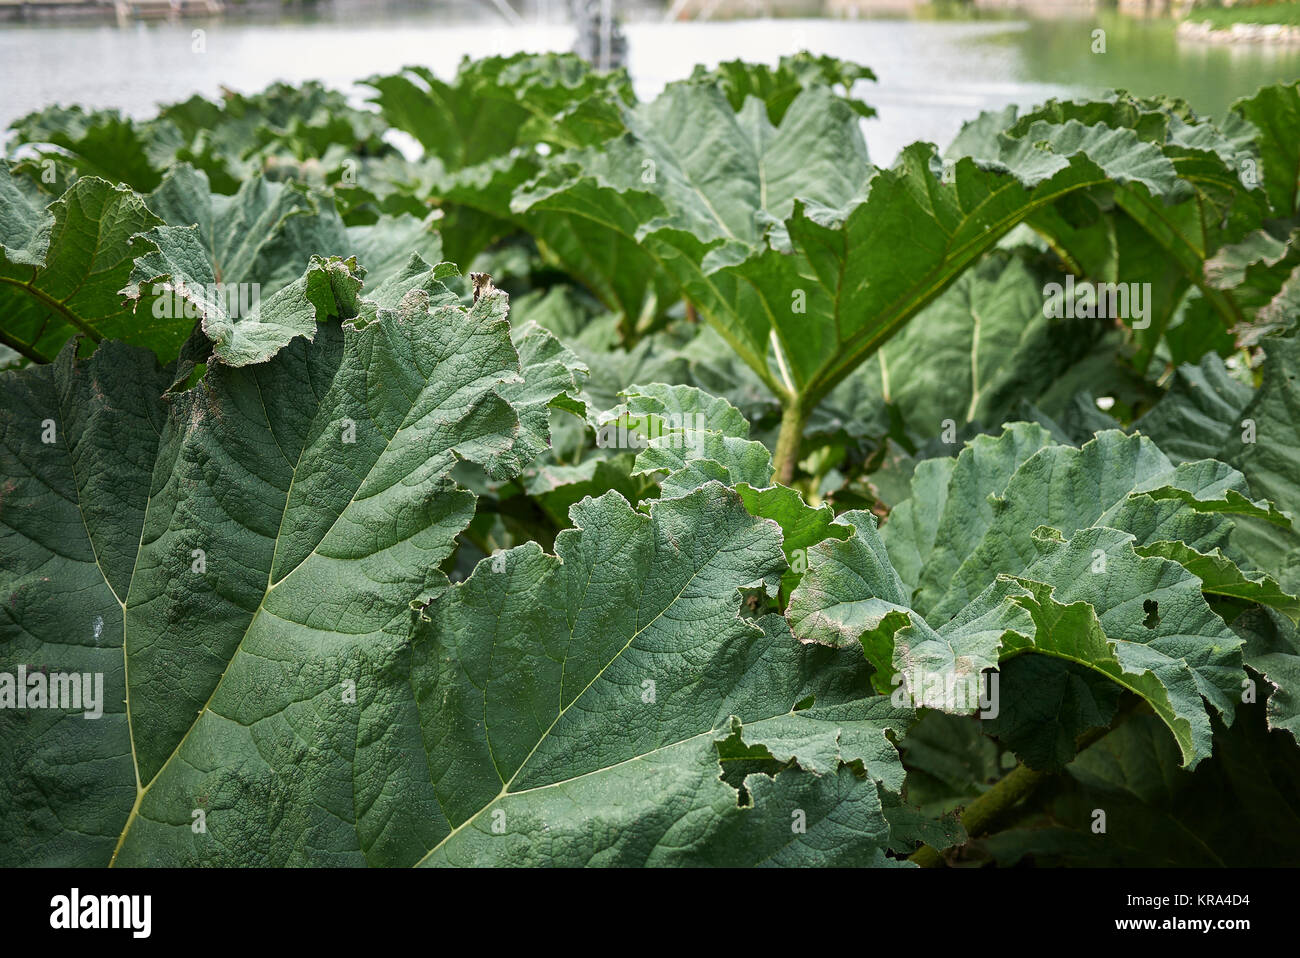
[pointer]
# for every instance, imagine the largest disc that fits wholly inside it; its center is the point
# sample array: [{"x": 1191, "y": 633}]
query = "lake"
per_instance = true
[{"x": 934, "y": 73}]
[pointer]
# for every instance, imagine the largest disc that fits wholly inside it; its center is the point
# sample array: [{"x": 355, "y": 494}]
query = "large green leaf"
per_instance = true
[
  {"x": 237, "y": 562},
  {"x": 102, "y": 143},
  {"x": 951, "y": 509},
  {"x": 240, "y": 135},
  {"x": 778, "y": 86},
  {"x": 1274, "y": 112},
  {"x": 850, "y": 286},
  {"x": 229, "y": 140},
  {"x": 686, "y": 438},
  {"x": 1262, "y": 272},
  {"x": 1265, "y": 446},
  {"x": 694, "y": 183},
  {"x": 1132, "y": 234},
  {"x": 1195, "y": 417},
  {"x": 1156, "y": 814},
  {"x": 497, "y": 103},
  {"x": 107, "y": 263},
  {"x": 220, "y": 256},
  {"x": 574, "y": 704},
  {"x": 483, "y": 133},
  {"x": 552, "y": 378},
  {"x": 972, "y": 356},
  {"x": 1047, "y": 549},
  {"x": 1207, "y": 412},
  {"x": 267, "y": 231},
  {"x": 1273, "y": 650},
  {"x": 1113, "y": 480},
  {"x": 62, "y": 269}
]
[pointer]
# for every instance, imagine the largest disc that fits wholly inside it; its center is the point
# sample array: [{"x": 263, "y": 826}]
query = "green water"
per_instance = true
[{"x": 1145, "y": 57}]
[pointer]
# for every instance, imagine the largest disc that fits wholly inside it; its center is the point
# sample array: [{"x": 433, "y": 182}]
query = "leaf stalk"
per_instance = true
[{"x": 788, "y": 440}]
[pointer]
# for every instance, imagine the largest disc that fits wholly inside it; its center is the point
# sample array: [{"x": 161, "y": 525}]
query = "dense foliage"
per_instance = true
[{"x": 764, "y": 506}]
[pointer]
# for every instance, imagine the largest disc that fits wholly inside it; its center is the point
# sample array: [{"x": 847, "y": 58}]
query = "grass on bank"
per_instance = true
[{"x": 1225, "y": 17}]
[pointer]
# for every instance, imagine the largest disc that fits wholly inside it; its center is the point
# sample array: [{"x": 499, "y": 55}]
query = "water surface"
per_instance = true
[{"x": 933, "y": 73}]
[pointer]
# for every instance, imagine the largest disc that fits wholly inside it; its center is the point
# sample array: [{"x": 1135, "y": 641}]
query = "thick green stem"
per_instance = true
[
  {"x": 18, "y": 346},
  {"x": 57, "y": 306},
  {"x": 788, "y": 441},
  {"x": 981, "y": 814},
  {"x": 984, "y": 813}
]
